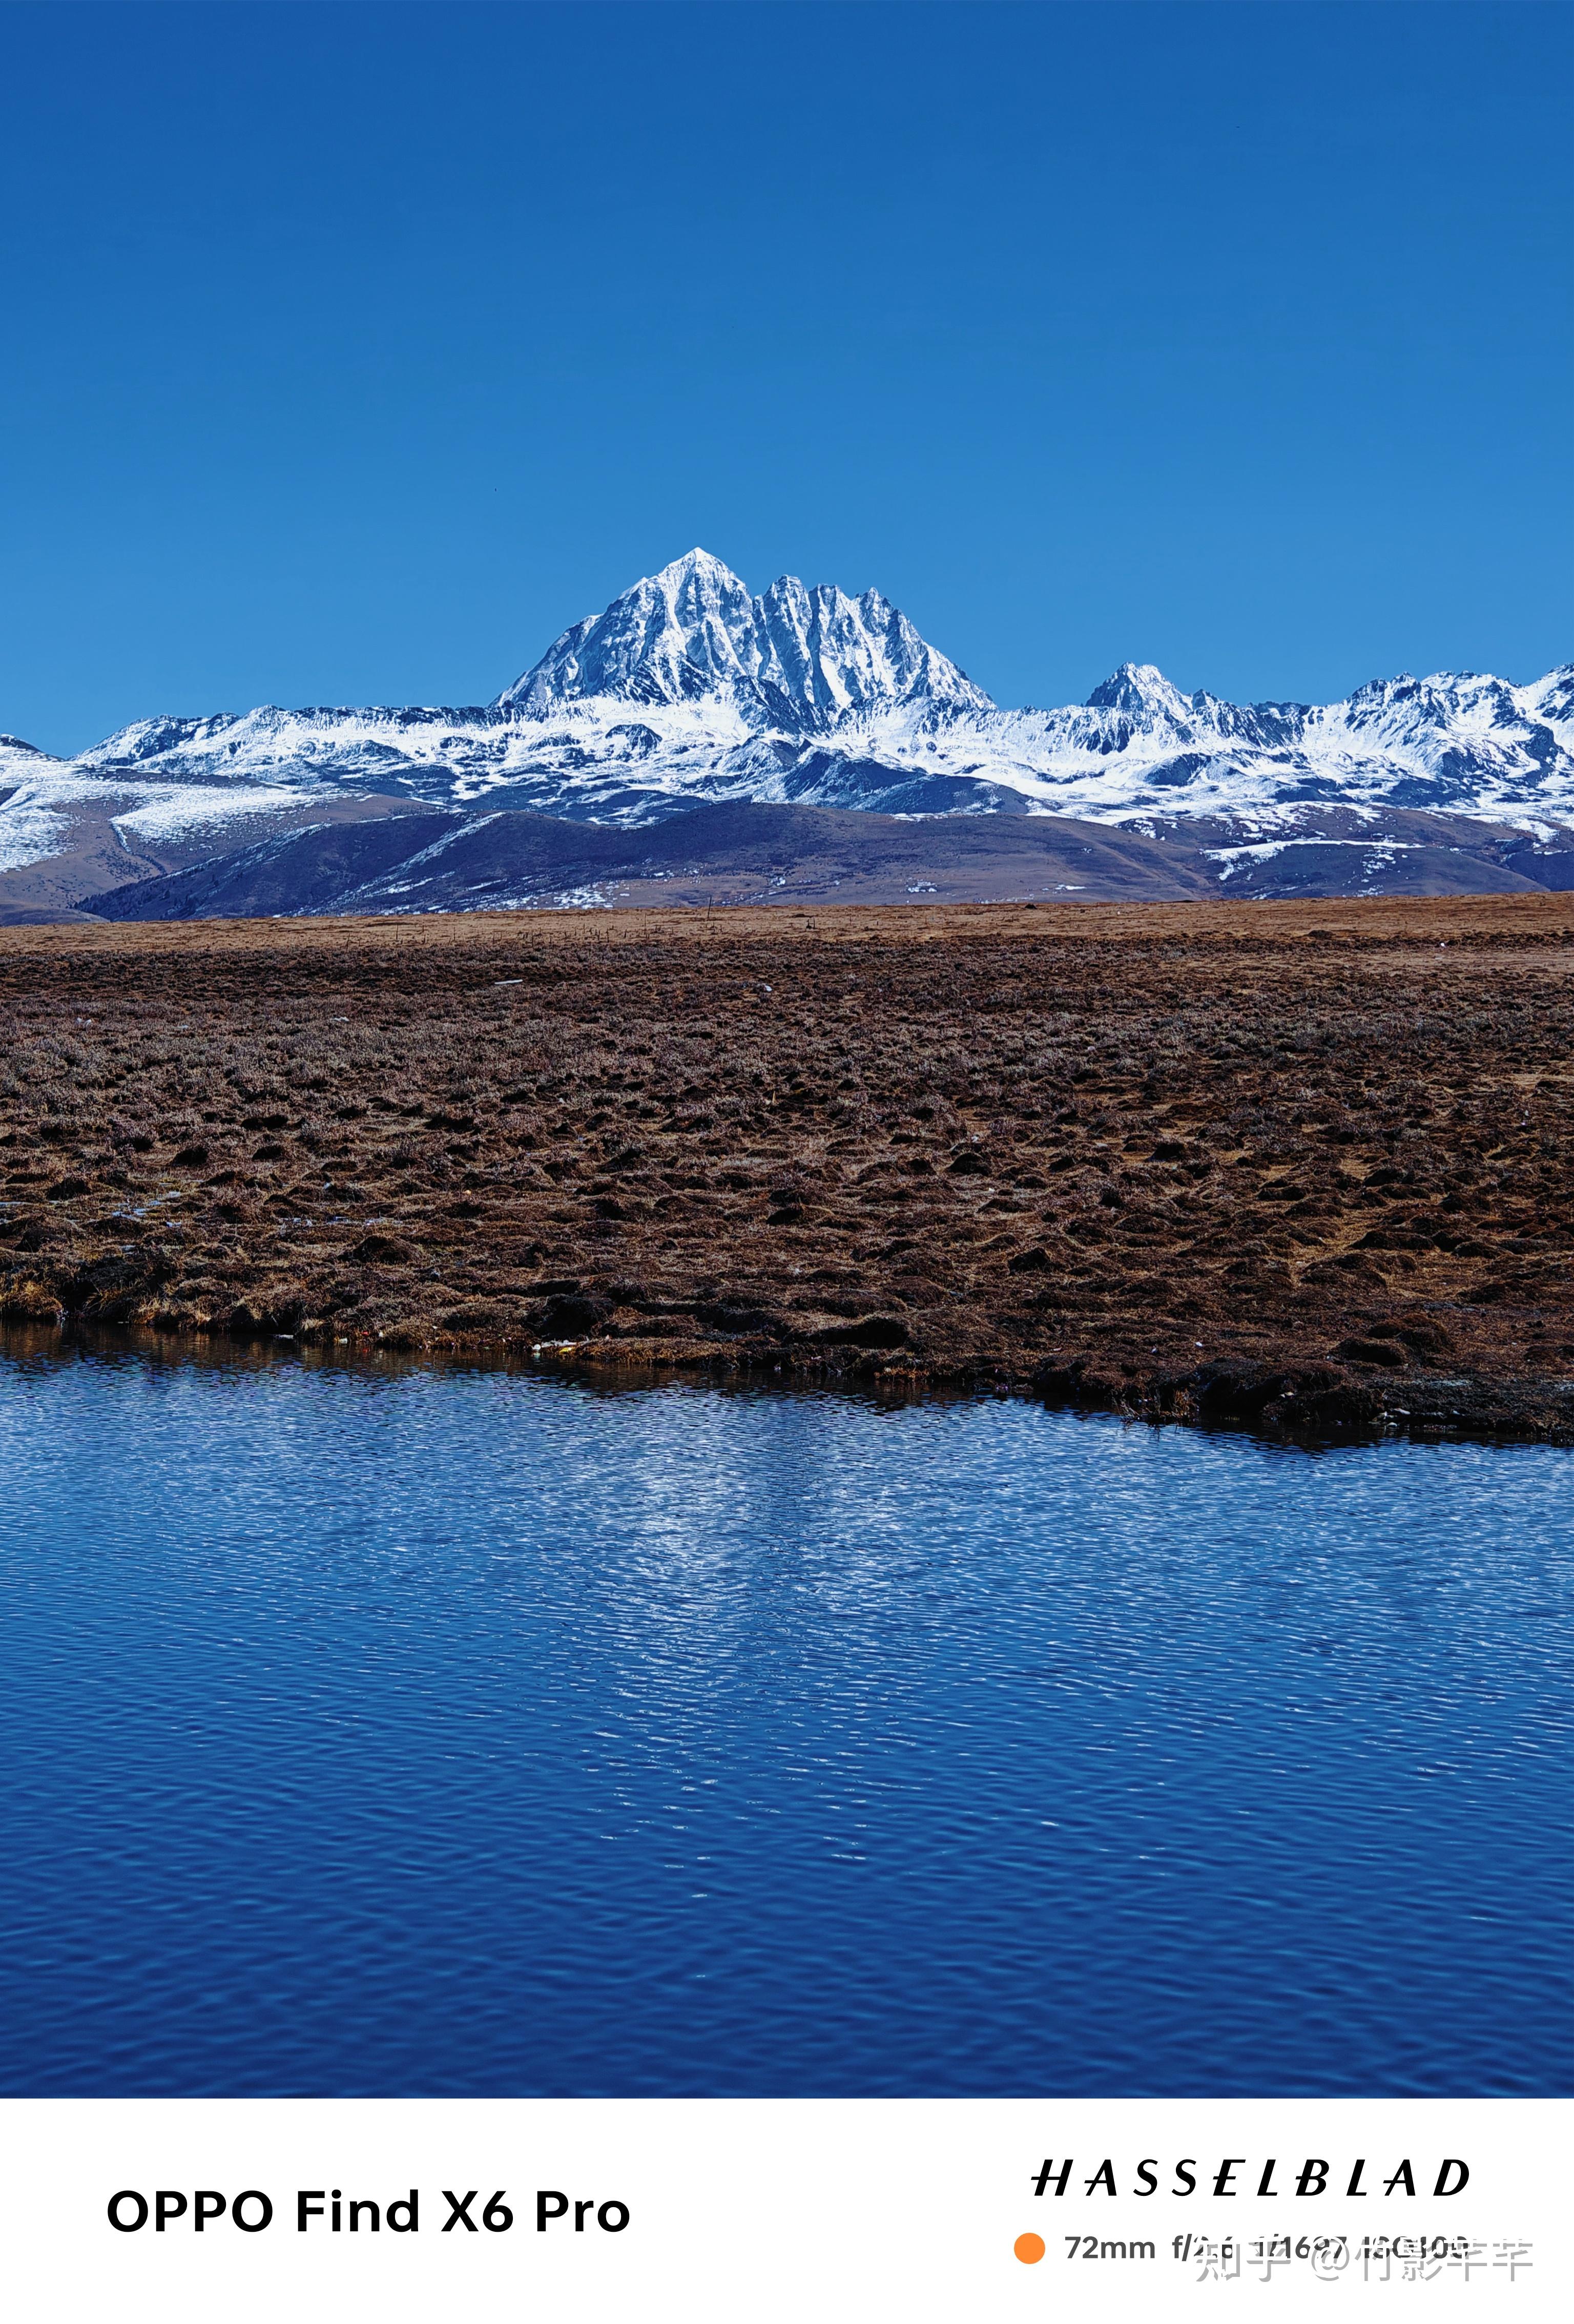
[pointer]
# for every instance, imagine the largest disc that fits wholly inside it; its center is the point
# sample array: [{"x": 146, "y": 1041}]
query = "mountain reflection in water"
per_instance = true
[{"x": 447, "y": 1730}]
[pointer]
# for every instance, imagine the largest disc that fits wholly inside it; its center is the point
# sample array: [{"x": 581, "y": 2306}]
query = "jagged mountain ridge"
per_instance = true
[
  {"x": 795, "y": 657},
  {"x": 688, "y": 689}
]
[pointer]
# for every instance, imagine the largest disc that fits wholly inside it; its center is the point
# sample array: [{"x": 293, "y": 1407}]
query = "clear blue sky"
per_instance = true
[{"x": 352, "y": 352}]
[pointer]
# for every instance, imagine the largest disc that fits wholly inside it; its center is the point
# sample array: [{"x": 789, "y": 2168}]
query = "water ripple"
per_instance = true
[{"x": 465, "y": 1732}]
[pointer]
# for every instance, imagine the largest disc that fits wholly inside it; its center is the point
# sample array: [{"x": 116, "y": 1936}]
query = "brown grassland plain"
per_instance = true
[{"x": 1307, "y": 1165}]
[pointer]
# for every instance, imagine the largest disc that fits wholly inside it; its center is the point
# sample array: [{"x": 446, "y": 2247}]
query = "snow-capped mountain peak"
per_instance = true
[
  {"x": 676, "y": 635},
  {"x": 795, "y": 656},
  {"x": 1143, "y": 693}
]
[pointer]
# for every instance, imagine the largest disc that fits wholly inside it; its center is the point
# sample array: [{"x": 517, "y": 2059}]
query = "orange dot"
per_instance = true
[{"x": 1029, "y": 2249}]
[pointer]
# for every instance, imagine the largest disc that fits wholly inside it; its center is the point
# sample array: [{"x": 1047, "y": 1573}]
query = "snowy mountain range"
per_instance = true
[{"x": 690, "y": 690}]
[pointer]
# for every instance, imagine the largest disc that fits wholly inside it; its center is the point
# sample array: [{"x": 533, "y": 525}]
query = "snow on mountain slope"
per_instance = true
[
  {"x": 67, "y": 831},
  {"x": 1139, "y": 749},
  {"x": 44, "y": 801},
  {"x": 1463, "y": 745},
  {"x": 429, "y": 753},
  {"x": 688, "y": 688}
]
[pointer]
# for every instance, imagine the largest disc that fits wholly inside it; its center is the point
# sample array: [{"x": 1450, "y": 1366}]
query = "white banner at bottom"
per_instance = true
[{"x": 717, "y": 2211}]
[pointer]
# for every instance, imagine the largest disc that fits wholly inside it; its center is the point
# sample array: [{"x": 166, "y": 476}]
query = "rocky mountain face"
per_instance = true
[
  {"x": 795, "y": 659},
  {"x": 688, "y": 690}
]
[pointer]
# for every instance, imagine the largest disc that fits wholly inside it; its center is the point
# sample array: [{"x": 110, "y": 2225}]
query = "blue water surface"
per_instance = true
[{"x": 456, "y": 1731}]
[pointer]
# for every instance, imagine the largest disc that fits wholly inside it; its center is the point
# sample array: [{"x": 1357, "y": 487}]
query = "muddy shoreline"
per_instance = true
[{"x": 1301, "y": 1167}]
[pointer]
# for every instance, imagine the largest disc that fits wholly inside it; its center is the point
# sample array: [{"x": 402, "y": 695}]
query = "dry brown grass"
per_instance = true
[{"x": 1305, "y": 1162}]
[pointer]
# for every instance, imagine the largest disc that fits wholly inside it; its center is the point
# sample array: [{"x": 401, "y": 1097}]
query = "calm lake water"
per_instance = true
[{"x": 459, "y": 1731}]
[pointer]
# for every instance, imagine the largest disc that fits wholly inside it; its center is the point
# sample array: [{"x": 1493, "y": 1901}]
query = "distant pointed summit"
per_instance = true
[
  {"x": 1139, "y": 687},
  {"x": 794, "y": 657}
]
